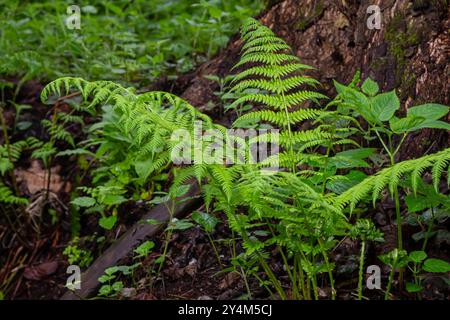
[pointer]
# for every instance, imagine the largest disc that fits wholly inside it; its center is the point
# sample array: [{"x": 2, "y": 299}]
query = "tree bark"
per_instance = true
[{"x": 408, "y": 53}]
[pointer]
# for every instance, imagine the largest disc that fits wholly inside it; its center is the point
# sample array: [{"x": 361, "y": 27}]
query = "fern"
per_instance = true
[
  {"x": 274, "y": 82},
  {"x": 8, "y": 197},
  {"x": 391, "y": 177},
  {"x": 277, "y": 75},
  {"x": 137, "y": 128},
  {"x": 9, "y": 157}
]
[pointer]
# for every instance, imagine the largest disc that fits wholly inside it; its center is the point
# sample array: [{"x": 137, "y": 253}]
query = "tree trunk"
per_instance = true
[{"x": 409, "y": 52}]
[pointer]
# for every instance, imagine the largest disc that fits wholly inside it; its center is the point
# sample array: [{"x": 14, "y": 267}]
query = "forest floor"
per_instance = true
[
  {"x": 331, "y": 36},
  {"x": 35, "y": 267}
]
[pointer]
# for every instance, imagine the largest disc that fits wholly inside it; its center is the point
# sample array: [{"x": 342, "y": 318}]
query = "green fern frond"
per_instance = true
[
  {"x": 8, "y": 197},
  {"x": 275, "y": 86},
  {"x": 391, "y": 177}
]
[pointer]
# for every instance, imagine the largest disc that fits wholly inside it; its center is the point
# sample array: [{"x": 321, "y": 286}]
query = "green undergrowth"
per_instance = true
[
  {"x": 338, "y": 159},
  {"x": 117, "y": 40}
]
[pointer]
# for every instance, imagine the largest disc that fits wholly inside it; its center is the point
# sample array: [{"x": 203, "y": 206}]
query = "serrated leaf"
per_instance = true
[
  {"x": 207, "y": 221},
  {"x": 432, "y": 124},
  {"x": 429, "y": 111},
  {"x": 145, "y": 248},
  {"x": 417, "y": 256},
  {"x": 370, "y": 87},
  {"x": 416, "y": 203},
  {"x": 384, "y": 105},
  {"x": 409, "y": 123}
]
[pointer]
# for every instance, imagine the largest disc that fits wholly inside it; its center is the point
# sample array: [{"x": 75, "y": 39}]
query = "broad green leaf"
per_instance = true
[
  {"x": 433, "y": 124},
  {"x": 357, "y": 100},
  {"x": 417, "y": 256},
  {"x": 70, "y": 152},
  {"x": 429, "y": 111},
  {"x": 360, "y": 153},
  {"x": 153, "y": 221},
  {"x": 370, "y": 87},
  {"x": 180, "y": 224},
  {"x": 416, "y": 203},
  {"x": 145, "y": 248},
  {"x": 142, "y": 168},
  {"x": 412, "y": 287},
  {"x": 126, "y": 270},
  {"x": 111, "y": 270},
  {"x": 179, "y": 191},
  {"x": 401, "y": 125},
  {"x": 117, "y": 286},
  {"x": 113, "y": 199},
  {"x": 83, "y": 201},
  {"x": 384, "y": 105},
  {"x": 351, "y": 158},
  {"x": 105, "y": 278},
  {"x": 215, "y": 12},
  {"x": 89, "y": 9},
  {"x": 105, "y": 290},
  {"x": 362, "y": 105},
  {"x": 107, "y": 222},
  {"x": 436, "y": 265},
  {"x": 340, "y": 184},
  {"x": 24, "y": 125},
  {"x": 206, "y": 220},
  {"x": 423, "y": 235}
]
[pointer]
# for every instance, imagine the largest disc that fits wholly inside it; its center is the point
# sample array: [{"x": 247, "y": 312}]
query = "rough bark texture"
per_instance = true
[{"x": 410, "y": 52}]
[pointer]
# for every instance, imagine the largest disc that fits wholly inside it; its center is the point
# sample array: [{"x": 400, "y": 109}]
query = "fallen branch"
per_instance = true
[{"x": 125, "y": 244}]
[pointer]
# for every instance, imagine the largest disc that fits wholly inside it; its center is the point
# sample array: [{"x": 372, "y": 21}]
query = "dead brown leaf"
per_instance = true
[
  {"x": 229, "y": 280},
  {"x": 34, "y": 179}
]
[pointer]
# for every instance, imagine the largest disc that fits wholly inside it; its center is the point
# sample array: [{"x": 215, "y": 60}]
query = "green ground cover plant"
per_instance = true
[
  {"x": 113, "y": 40},
  {"x": 338, "y": 157}
]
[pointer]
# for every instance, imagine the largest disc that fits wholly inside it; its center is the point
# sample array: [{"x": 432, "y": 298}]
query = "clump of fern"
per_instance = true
[
  {"x": 289, "y": 209},
  {"x": 133, "y": 140},
  {"x": 300, "y": 210}
]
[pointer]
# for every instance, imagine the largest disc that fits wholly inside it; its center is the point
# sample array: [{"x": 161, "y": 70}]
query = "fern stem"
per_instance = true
[
  {"x": 400, "y": 144},
  {"x": 272, "y": 277},
  {"x": 297, "y": 262},
  {"x": 288, "y": 121},
  {"x": 314, "y": 284},
  {"x": 324, "y": 182},
  {"x": 50, "y": 159},
  {"x": 267, "y": 270},
  {"x": 8, "y": 149},
  {"x": 361, "y": 267},
  {"x": 215, "y": 250},
  {"x": 430, "y": 227},
  {"x": 398, "y": 215},
  {"x": 399, "y": 220},
  {"x": 247, "y": 287},
  {"x": 388, "y": 288},
  {"x": 292, "y": 276},
  {"x": 330, "y": 273}
]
